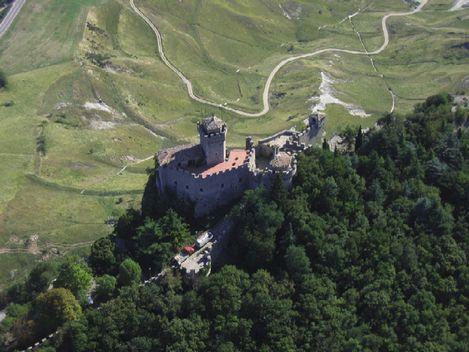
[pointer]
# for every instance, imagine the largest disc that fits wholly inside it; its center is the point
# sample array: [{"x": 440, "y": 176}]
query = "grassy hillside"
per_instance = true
[{"x": 88, "y": 96}]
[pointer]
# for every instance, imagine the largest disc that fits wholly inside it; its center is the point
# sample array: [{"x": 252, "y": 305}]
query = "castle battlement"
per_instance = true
[
  {"x": 203, "y": 174},
  {"x": 208, "y": 176},
  {"x": 294, "y": 141},
  {"x": 213, "y": 134},
  {"x": 295, "y": 147}
]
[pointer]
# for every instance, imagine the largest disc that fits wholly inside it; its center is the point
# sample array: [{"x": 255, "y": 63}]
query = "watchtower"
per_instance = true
[{"x": 212, "y": 132}]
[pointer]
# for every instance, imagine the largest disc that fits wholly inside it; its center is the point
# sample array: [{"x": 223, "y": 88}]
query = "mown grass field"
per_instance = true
[{"x": 89, "y": 95}]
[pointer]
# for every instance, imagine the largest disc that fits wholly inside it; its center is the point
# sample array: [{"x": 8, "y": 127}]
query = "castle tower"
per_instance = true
[
  {"x": 249, "y": 143},
  {"x": 212, "y": 132}
]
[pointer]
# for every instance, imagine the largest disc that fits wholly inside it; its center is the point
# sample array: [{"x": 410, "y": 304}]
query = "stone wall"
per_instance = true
[
  {"x": 293, "y": 141},
  {"x": 285, "y": 133},
  {"x": 219, "y": 189},
  {"x": 265, "y": 178},
  {"x": 210, "y": 192}
]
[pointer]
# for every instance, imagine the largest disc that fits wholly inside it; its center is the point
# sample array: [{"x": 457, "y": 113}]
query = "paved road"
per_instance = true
[
  {"x": 10, "y": 17},
  {"x": 459, "y": 4},
  {"x": 266, "y": 93}
]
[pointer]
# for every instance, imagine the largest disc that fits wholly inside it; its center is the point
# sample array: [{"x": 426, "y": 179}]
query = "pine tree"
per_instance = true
[
  {"x": 279, "y": 193},
  {"x": 325, "y": 145},
  {"x": 3, "y": 79},
  {"x": 359, "y": 139}
]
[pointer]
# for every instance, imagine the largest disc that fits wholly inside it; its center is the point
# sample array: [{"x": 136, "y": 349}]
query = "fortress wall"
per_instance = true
[
  {"x": 289, "y": 133},
  {"x": 207, "y": 192},
  {"x": 220, "y": 189},
  {"x": 316, "y": 122},
  {"x": 251, "y": 159},
  {"x": 294, "y": 147},
  {"x": 265, "y": 178},
  {"x": 306, "y": 137}
]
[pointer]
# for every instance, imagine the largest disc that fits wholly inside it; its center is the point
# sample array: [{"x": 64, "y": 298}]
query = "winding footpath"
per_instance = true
[
  {"x": 10, "y": 17},
  {"x": 266, "y": 93},
  {"x": 135, "y": 163}
]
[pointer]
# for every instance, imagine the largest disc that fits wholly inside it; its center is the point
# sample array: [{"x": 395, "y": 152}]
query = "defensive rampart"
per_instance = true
[{"x": 208, "y": 191}]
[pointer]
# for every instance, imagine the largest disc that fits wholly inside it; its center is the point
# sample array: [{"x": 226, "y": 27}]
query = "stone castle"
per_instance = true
[{"x": 209, "y": 176}]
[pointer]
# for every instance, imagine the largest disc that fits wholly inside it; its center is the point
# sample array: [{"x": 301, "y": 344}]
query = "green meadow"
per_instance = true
[{"x": 89, "y": 101}]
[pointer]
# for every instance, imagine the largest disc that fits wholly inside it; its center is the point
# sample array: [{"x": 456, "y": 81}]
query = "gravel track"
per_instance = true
[
  {"x": 266, "y": 93},
  {"x": 10, "y": 17}
]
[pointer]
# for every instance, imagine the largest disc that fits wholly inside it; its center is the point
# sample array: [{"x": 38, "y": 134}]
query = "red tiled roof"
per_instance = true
[{"x": 236, "y": 158}]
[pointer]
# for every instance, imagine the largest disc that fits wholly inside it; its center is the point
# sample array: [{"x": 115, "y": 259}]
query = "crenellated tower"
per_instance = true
[
  {"x": 208, "y": 176},
  {"x": 212, "y": 132}
]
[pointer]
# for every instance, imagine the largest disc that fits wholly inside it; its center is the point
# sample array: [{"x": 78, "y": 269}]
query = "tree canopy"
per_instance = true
[
  {"x": 367, "y": 252},
  {"x": 76, "y": 277},
  {"x": 129, "y": 273},
  {"x": 54, "y": 308}
]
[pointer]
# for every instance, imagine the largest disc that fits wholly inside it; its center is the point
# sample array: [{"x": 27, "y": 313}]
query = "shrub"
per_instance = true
[
  {"x": 129, "y": 272},
  {"x": 3, "y": 79}
]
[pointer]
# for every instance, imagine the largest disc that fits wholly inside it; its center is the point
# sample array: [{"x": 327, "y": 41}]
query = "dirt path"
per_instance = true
[
  {"x": 266, "y": 93},
  {"x": 133, "y": 164},
  {"x": 360, "y": 38},
  {"x": 39, "y": 249}
]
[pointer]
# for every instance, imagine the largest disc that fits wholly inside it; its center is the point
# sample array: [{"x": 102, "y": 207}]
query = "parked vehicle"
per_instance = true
[{"x": 203, "y": 239}]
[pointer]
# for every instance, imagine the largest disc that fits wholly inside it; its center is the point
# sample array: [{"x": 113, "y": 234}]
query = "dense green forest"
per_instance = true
[{"x": 367, "y": 252}]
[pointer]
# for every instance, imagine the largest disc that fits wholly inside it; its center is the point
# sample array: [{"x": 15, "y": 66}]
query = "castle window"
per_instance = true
[
  {"x": 240, "y": 180},
  {"x": 176, "y": 183},
  {"x": 222, "y": 185},
  {"x": 201, "y": 190},
  {"x": 187, "y": 186}
]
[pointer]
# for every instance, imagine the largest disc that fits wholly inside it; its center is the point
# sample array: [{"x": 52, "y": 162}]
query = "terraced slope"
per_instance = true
[{"x": 89, "y": 99}]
